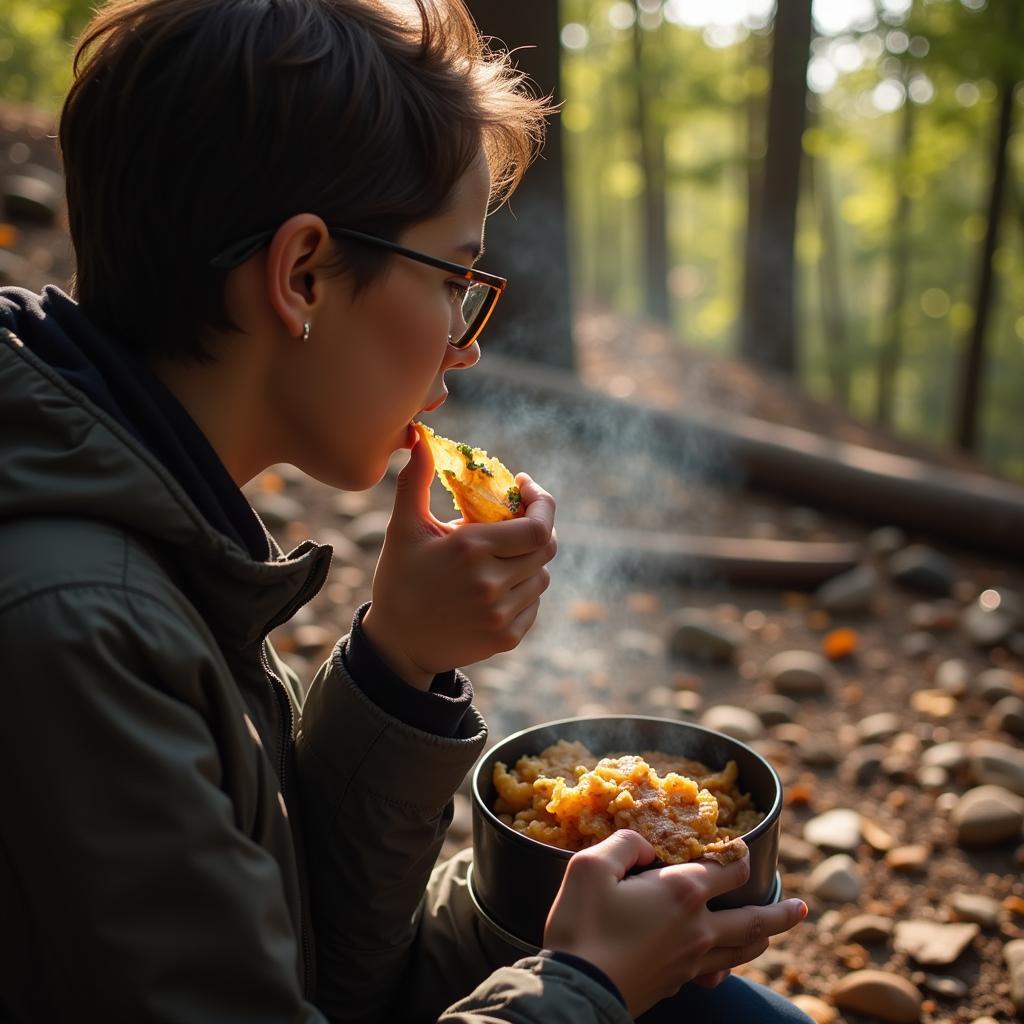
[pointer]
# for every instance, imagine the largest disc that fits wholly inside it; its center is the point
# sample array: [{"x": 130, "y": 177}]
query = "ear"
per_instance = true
[{"x": 294, "y": 284}]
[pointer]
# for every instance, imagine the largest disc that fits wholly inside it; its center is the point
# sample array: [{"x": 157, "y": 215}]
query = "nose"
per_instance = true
[{"x": 462, "y": 358}]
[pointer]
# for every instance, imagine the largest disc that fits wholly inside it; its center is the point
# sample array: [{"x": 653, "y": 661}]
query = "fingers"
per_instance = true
[
  {"x": 618, "y": 853},
  {"x": 530, "y": 532},
  {"x": 519, "y": 570},
  {"x": 714, "y": 879},
  {"x": 412, "y": 489},
  {"x": 746, "y": 925},
  {"x": 712, "y": 980}
]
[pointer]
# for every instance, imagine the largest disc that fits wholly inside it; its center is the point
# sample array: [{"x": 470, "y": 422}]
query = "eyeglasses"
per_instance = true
[{"x": 480, "y": 293}]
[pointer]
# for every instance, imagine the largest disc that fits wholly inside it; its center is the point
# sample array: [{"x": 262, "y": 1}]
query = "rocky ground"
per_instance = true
[{"x": 891, "y": 701}]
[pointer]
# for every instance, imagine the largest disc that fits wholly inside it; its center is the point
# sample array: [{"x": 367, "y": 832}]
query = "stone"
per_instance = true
[
  {"x": 835, "y": 880},
  {"x": 879, "y": 994},
  {"x": 932, "y": 943},
  {"x": 953, "y": 676},
  {"x": 774, "y": 709},
  {"x": 866, "y": 930},
  {"x": 997, "y": 764},
  {"x": 987, "y": 814},
  {"x": 975, "y": 907},
  {"x": 934, "y": 616},
  {"x": 864, "y": 764},
  {"x": 838, "y": 829},
  {"x": 740, "y": 723},
  {"x": 349, "y": 504},
  {"x": 851, "y": 591},
  {"x": 993, "y": 618},
  {"x": 817, "y": 1009},
  {"x": 994, "y": 684},
  {"x": 694, "y": 634},
  {"x": 368, "y": 530},
  {"x": 876, "y": 728},
  {"x": 795, "y": 853},
  {"x": 943, "y": 985},
  {"x": 799, "y": 673},
  {"x": 33, "y": 197},
  {"x": 917, "y": 645},
  {"x": 923, "y": 569},
  {"x": 821, "y": 751},
  {"x": 310, "y": 639},
  {"x": 932, "y": 777},
  {"x": 276, "y": 510},
  {"x": 1007, "y": 715},
  {"x": 886, "y": 541},
  {"x": 462, "y": 821},
  {"x": 875, "y": 836},
  {"x": 951, "y": 755},
  {"x": 1013, "y": 953},
  {"x": 911, "y": 858}
]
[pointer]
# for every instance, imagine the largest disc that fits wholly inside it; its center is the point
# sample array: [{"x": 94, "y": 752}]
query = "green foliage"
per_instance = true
[{"x": 36, "y": 48}]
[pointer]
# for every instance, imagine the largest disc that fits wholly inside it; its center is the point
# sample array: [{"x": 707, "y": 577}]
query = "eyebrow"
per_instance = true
[{"x": 472, "y": 249}]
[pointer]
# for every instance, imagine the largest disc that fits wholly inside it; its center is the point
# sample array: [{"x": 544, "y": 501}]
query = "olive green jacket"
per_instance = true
[{"x": 181, "y": 838}]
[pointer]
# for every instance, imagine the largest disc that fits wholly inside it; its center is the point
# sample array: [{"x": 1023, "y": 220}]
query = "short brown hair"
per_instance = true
[{"x": 193, "y": 123}]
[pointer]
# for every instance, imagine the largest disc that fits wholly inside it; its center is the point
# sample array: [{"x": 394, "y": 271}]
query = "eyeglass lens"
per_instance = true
[{"x": 473, "y": 304}]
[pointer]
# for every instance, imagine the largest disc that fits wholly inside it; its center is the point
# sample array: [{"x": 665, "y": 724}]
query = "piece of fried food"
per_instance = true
[
  {"x": 483, "y": 490},
  {"x": 569, "y": 798}
]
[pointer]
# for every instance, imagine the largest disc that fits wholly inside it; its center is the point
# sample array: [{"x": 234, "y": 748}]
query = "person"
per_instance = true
[{"x": 275, "y": 207}]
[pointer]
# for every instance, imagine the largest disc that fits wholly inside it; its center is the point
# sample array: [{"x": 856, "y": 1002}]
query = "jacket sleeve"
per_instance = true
[
  {"x": 147, "y": 902},
  {"x": 376, "y": 804}
]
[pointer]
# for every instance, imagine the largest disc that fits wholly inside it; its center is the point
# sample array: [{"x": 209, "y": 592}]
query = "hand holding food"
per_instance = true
[
  {"x": 652, "y": 932},
  {"x": 446, "y": 595}
]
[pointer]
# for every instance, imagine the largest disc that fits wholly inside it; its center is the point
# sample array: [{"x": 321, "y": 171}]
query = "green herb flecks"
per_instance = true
[{"x": 514, "y": 498}]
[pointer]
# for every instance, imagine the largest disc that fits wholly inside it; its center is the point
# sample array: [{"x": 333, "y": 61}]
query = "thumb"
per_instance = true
[
  {"x": 622, "y": 851},
  {"x": 412, "y": 489}
]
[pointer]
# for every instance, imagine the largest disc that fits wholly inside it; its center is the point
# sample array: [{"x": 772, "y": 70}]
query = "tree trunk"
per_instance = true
[
  {"x": 968, "y": 396},
  {"x": 652, "y": 163},
  {"x": 768, "y": 333},
  {"x": 899, "y": 257},
  {"x": 527, "y": 240}
]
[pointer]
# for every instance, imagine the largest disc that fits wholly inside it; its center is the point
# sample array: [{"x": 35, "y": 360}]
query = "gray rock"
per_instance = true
[
  {"x": 835, "y": 880},
  {"x": 886, "y": 541},
  {"x": 934, "y": 944},
  {"x": 276, "y": 510},
  {"x": 953, "y": 676},
  {"x": 349, "y": 504},
  {"x": 694, "y": 634},
  {"x": 838, "y": 829},
  {"x": 988, "y": 627},
  {"x": 918, "y": 644},
  {"x": 369, "y": 529},
  {"x": 799, "y": 673},
  {"x": 951, "y": 755},
  {"x": 1007, "y": 715},
  {"x": 740, "y": 723},
  {"x": 986, "y": 815},
  {"x": 1013, "y": 953},
  {"x": 998, "y": 764},
  {"x": 820, "y": 750},
  {"x": 975, "y": 907},
  {"x": 852, "y": 591},
  {"x": 879, "y": 994},
  {"x": 924, "y": 569},
  {"x": 943, "y": 985},
  {"x": 994, "y": 684},
  {"x": 866, "y": 929},
  {"x": 876, "y": 728},
  {"x": 35, "y": 195},
  {"x": 774, "y": 709},
  {"x": 795, "y": 853}
]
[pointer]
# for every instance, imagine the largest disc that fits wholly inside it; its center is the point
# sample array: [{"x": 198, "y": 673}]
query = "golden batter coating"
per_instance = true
[{"x": 569, "y": 798}]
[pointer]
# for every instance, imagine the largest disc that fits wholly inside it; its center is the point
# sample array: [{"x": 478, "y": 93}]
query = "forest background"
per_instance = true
[{"x": 832, "y": 189}]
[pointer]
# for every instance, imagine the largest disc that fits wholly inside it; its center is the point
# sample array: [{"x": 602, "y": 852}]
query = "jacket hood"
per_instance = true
[{"x": 62, "y": 454}]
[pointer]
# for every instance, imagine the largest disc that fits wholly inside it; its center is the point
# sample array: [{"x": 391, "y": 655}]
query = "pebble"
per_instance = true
[
  {"x": 986, "y": 815},
  {"x": 876, "y": 728},
  {"x": 879, "y": 994},
  {"x": 835, "y": 880},
  {"x": 774, "y": 709},
  {"x": 852, "y": 591},
  {"x": 462, "y": 820},
  {"x": 864, "y": 764},
  {"x": 817, "y": 1009},
  {"x": 368, "y": 529},
  {"x": 867, "y": 930},
  {"x": 1007, "y": 715},
  {"x": 886, "y": 540},
  {"x": 953, "y": 676},
  {"x": 693, "y": 633},
  {"x": 799, "y": 673},
  {"x": 349, "y": 504},
  {"x": 740, "y": 723},
  {"x": 924, "y": 569},
  {"x": 917, "y": 645},
  {"x": 1013, "y": 953},
  {"x": 820, "y": 751},
  {"x": 876, "y": 837},
  {"x": 838, "y": 829},
  {"x": 911, "y": 858},
  {"x": 998, "y": 764},
  {"x": 795, "y": 853},
  {"x": 932, "y": 777},
  {"x": 932, "y": 943},
  {"x": 987, "y": 627},
  {"x": 951, "y": 755},
  {"x": 276, "y": 510},
  {"x": 943, "y": 985},
  {"x": 637, "y": 643},
  {"x": 994, "y": 684},
  {"x": 936, "y": 616},
  {"x": 975, "y": 907},
  {"x": 31, "y": 197},
  {"x": 311, "y": 639}
]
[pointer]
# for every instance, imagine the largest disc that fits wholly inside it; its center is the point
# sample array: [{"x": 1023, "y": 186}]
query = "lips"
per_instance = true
[{"x": 437, "y": 403}]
